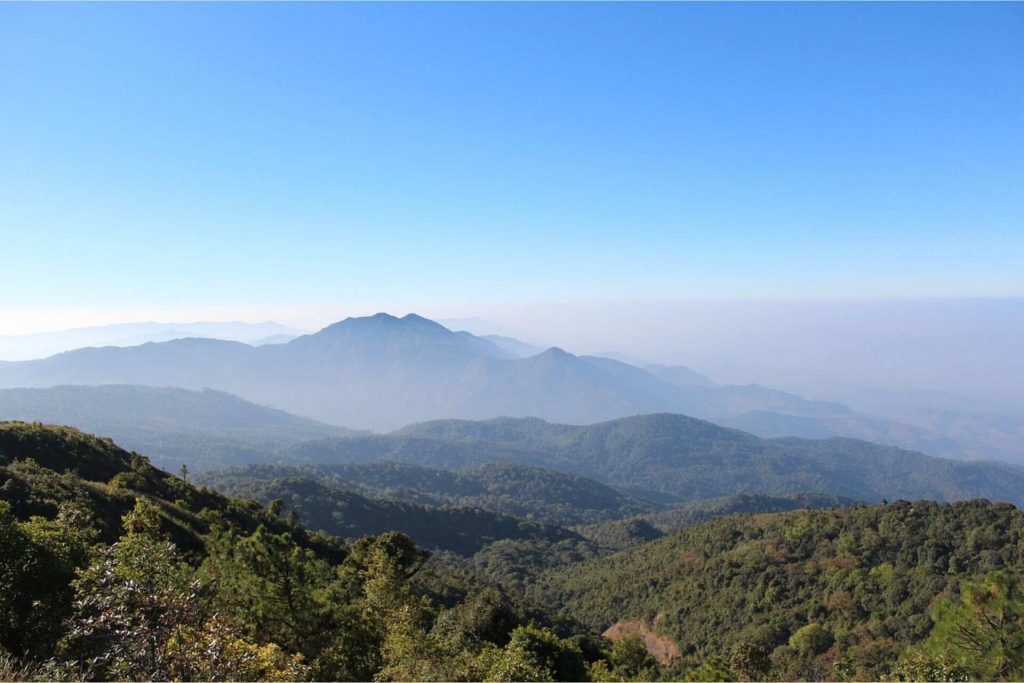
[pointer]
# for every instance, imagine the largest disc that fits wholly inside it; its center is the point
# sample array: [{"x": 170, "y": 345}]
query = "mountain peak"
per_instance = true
[
  {"x": 382, "y": 321},
  {"x": 410, "y": 336},
  {"x": 553, "y": 354},
  {"x": 419, "y": 319}
]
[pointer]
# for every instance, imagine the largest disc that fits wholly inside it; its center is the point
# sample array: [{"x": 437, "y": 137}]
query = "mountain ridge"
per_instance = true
[{"x": 383, "y": 372}]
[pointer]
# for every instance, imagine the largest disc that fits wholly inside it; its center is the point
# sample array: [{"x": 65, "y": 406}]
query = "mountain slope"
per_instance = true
[
  {"x": 522, "y": 491},
  {"x": 382, "y": 372},
  {"x": 205, "y": 429},
  {"x": 679, "y": 375},
  {"x": 187, "y": 584},
  {"x": 867, "y": 577},
  {"x": 461, "y": 530},
  {"x": 41, "y": 345},
  {"x": 687, "y": 459},
  {"x": 45, "y": 466},
  {"x": 626, "y": 532}
]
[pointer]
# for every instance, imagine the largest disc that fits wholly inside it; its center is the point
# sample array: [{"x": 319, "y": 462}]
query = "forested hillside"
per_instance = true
[
  {"x": 519, "y": 490},
  {"x": 858, "y": 593},
  {"x": 335, "y": 511},
  {"x": 45, "y": 469},
  {"x": 113, "y": 570},
  {"x": 622, "y": 533},
  {"x": 667, "y": 458}
]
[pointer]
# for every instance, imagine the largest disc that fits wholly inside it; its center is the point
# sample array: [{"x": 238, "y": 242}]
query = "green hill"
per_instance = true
[
  {"x": 111, "y": 569},
  {"x": 43, "y": 467},
  {"x": 674, "y": 458},
  {"x": 519, "y": 490},
  {"x": 865, "y": 579},
  {"x": 461, "y": 530},
  {"x": 202, "y": 429}
]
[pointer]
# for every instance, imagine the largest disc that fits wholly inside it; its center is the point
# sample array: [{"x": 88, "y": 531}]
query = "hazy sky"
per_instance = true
[{"x": 282, "y": 161}]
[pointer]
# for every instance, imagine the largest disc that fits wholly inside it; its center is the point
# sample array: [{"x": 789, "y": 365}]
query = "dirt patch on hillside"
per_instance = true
[{"x": 661, "y": 648}]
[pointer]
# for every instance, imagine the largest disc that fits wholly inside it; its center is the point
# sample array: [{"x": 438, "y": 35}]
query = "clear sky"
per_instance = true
[{"x": 280, "y": 161}]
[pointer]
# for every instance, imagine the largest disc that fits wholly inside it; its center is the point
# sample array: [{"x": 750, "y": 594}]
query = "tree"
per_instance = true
[
  {"x": 809, "y": 640},
  {"x": 918, "y": 665},
  {"x": 984, "y": 629},
  {"x": 18, "y": 561},
  {"x": 750, "y": 661},
  {"x": 630, "y": 659},
  {"x": 538, "y": 654},
  {"x": 131, "y": 601},
  {"x": 286, "y": 596},
  {"x": 711, "y": 669},
  {"x": 218, "y": 651}
]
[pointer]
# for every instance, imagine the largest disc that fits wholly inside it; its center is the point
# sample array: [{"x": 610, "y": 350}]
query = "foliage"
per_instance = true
[
  {"x": 462, "y": 530},
  {"x": 520, "y": 490},
  {"x": 982, "y": 631},
  {"x": 535, "y": 654},
  {"x": 674, "y": 458},
  {"x": 630, "y": 660},
  {"x": 749, "y": 661},
  {"x": 106, "y": 578},
  {"x": 918, "y": 665},
  {"x": 831, "y": 593},
  {"x": 253, "y": 597}
]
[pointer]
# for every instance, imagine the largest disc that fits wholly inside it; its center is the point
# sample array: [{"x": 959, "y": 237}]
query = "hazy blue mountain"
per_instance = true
[
  {"x": 942, "y": 433},
  {"x": 679, "y": 375},
  {"x": 378, "y": 372},
  {"x": 769, "y": 424},
  {"x": 976, "y": 434},
  {"x": 382, "y": 372},
  {"x": 513, "y": 347},
  {"x": 204, "y": 429},
  {"x": 626, "y": 358},
  {"x": 42, "y": 345},
  {"x": 274, "y": 339},
  {"x": 666, "y": 458}
]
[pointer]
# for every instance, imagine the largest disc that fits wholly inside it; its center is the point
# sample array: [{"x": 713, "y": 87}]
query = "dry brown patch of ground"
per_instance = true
[{"x": 661, "y": 648}]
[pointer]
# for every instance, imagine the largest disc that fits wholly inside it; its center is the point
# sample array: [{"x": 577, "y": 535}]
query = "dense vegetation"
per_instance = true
[
  {"x": 43, "y": 468},
  {"x": 677, "y": 459},
  {"x": 622, "y": 533},
  {"x": 113, "y": 569},
  {"x": 462, "y": 530},
  {"x": 192, "y": 585},
  {"x": 683, "y": 516},
  {"x": 523, "y": 491},
  {"x": 861, "y": 593}
]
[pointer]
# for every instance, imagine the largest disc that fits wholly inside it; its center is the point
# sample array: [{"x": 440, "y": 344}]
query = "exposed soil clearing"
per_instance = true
[{"x": 661, "y": 648}]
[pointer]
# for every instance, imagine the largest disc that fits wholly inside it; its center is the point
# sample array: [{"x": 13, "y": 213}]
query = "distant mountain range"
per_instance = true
[
  {"x": 43, "y": 344},
  {"x": 205, "y": 429},
  {"x": 382, "y": 372},
  {"x": 676, "y": 459}
]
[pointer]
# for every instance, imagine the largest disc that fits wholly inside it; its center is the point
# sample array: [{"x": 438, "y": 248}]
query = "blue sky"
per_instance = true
[{"x": 294, "y": 161}]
